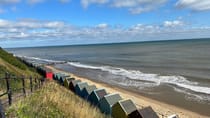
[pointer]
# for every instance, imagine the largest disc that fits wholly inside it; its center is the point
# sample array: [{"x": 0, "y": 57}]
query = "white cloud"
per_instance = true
[
  {"x": 86, "y": 3},
  {"x": 62, "y": 32},
  {"x": 175, "y": 23},
  {"x": 196, "y": 5},
  {"x": 138, "y": 6},
  {"x": 134, "y": 6},
  {"x": 4, "y": 23},
  {"x": 7, "y": 2},
  {"x": 139, "y": 10},
  {"x": 102, "y": 25}
]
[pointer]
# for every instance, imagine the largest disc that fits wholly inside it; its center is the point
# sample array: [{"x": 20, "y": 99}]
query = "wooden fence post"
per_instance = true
[
  {"x": 23, "y": 83},
  {"x": 9, "y": 91},
  {"x": 31, "y": 84},
  {"x": 36, "y": 83},
  {"x": 2, "y": 115},
  {"x": 39, "y": 83}
]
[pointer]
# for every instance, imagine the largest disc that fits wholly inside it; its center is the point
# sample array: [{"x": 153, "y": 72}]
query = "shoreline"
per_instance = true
[{"x": 139, "y": 100}]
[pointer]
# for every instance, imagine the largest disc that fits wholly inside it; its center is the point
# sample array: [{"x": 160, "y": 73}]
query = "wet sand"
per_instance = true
[{"x": 163, "y": 109}]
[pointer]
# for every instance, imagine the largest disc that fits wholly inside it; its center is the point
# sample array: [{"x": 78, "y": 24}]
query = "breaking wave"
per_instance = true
[{"x": 154, "y": 79}]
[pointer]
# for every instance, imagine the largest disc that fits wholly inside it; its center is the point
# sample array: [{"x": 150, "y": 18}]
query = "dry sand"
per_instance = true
[{"x": 163, "y": 110}]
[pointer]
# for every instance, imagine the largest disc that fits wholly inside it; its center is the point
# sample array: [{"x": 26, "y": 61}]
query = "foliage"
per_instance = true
[
  {"x": 11, "y": 59},
  {"x": 53, "y": 101}
]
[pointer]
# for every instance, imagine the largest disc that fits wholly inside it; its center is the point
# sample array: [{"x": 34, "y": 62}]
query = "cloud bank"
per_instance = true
[
  {"x": 195, "y": 5},
  {"x": 58, "y": 31}
]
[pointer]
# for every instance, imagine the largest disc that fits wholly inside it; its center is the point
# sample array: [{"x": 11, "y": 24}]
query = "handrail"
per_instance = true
[{"x": 3, "y": 94}]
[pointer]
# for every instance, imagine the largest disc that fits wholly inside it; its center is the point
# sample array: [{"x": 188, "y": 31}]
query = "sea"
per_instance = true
[{"x": 176, "y": 72}]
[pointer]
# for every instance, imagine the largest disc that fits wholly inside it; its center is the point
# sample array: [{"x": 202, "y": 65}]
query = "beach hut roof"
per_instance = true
[
  {"x": 81, "y": 85},
  {"x": 63, "y": 76},
  {"x": 70, "y": 78},
  {"x": 96, "y": 95},
  {"x": 100, "y": 93},
  {"x": 112, "y": 98},
  {"x": 123, "y": 108},
  {"x": 128, "y": 106},
  {"x": 47, "y": 70},
  {"x": 74, "y": 82},
  {"x": 146, "y": 112},
  {"x": 106, "y": 103},
  {"x": 89, "y": 89}
]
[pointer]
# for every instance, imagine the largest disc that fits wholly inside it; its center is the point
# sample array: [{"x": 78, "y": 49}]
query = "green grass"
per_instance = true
[
  {"x": 16, "y": 68},
  {"x": 53, "y": 101},
  {"x": 12, "y": 60}
]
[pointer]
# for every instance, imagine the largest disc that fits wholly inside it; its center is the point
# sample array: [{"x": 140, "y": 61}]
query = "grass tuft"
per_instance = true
[{"x": 53, "y": 100}]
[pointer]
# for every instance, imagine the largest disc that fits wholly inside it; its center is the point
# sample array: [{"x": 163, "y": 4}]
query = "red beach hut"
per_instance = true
[{"x": 48, "y": 74}]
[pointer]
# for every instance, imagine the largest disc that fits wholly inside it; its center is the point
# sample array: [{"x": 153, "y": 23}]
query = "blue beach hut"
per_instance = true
[
  {"x": 87, "y": 91},
  {"x": 79, "y": 87},
  {"x": 72, "y": 84},
  {"x": 106, "y": 103},
  {"x": 96, "y": 95}
]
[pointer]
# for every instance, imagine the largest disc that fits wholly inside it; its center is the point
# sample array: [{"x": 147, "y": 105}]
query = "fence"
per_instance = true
[{"x": 34, "y": 83}]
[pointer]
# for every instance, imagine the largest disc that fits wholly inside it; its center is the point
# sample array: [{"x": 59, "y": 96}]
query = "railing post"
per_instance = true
[
  {"x": 9, "y": 92},
  {"x": 2, "y": 115},
  {"x": 36, "y": 83},
  {"x": 23, "y": 83},
  {"x": 39, "y": 82},
  {"x": 31, "y": 84}
]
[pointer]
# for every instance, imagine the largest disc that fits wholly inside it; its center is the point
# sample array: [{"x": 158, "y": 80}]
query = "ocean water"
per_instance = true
[{"x": 175, "y": 72}]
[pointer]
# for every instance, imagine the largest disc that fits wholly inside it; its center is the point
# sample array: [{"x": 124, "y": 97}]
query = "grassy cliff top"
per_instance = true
[
  {"x": 9, "y": 63},
  {"x": 15, "y": 67},
  {"x": 53, "y": 101}
]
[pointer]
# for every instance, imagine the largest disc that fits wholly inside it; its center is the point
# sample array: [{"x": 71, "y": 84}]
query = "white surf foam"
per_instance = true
[
  {"x": 179, "y": 81},
  {"x": 40, "y": 59}
]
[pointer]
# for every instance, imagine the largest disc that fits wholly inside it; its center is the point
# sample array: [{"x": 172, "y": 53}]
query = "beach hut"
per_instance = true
[
  {"x": 123, "y": 108},
  {"x": 87, "y": 91},
  {"x": 72, "y": 84},
  {"x": 79, "y": 87},
  {"x": 62, "y": 78},
  {"x": 48, "y": 74},
  {"x": 67, "y": 81},
  {"x": 57, "y": 76},
  {"x": 146, "y": 112},
  {"x": 106, "y": 103},
  {"x": 96, "y": 95}
]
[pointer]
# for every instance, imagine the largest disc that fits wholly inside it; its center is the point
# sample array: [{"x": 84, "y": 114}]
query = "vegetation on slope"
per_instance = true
[
  {"x": 53, "y": 101},
  {"x": 12, "y": 60},
  {"x": 12, "y": 65}
]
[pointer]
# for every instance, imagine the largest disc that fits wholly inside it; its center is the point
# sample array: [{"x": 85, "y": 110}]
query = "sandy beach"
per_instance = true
[{"x": 163, "y": 109}]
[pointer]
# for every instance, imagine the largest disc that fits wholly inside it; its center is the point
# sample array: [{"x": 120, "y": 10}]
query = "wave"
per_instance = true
[
  {"x": 155, "y": 79},
  {"x": 150, "y": 80},
  {"x": 40, "y": 59}
]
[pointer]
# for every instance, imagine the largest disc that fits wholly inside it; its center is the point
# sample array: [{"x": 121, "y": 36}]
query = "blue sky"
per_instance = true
[{"x": 67, "y": 22}]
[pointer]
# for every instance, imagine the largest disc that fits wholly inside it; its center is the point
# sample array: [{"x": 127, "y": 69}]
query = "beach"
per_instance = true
[
  {"x": 162, "y": 109},
  {"x": 172, "y": 72}
]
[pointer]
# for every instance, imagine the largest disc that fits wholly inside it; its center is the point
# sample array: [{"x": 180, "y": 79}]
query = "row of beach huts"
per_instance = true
[{"x": 111, "y": 104}]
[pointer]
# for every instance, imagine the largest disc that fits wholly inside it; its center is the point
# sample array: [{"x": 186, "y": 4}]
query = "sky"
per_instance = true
[{"x": 26, "y": 23}]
